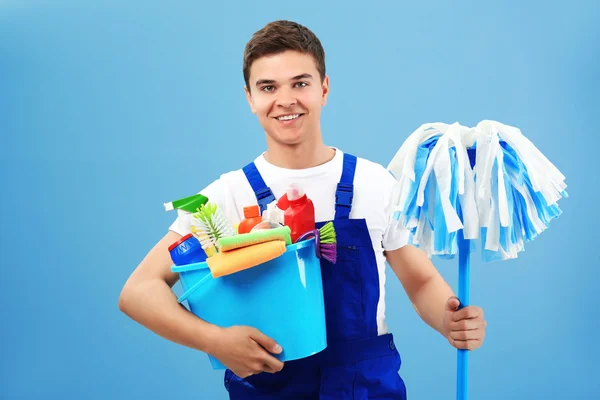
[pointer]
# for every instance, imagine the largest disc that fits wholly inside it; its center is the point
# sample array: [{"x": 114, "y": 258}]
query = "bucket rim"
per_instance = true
[
  {"x": 189, "y": 267},
  {"x": 300, "y": 245}
]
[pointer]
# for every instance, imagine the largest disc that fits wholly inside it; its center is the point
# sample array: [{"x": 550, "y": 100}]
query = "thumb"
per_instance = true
[
  {"x": 452, "y": 304},
  {"x": 265, "y": 341}
]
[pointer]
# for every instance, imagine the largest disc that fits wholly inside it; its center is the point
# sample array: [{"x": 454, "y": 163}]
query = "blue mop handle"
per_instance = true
[{"x": 464, "y": 266}]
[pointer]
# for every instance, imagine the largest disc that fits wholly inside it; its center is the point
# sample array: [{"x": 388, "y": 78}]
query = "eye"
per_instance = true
[
  {"x": 268, "y": 88},
  {"x": 302, "y": 84}
]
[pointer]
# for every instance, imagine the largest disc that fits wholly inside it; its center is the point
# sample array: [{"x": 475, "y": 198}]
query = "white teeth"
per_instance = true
[{"x": 288, "y": 117}]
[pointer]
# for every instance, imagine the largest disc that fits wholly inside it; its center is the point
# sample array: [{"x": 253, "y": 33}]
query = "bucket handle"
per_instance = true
[
  {"x": 194, "y": 287},
  {"x": 316, "y": 235}
]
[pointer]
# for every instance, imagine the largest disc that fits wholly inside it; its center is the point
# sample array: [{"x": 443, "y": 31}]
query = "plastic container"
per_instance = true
[
  {"x": 252, "y": 217},
  {"x": 283, "y": 298},
  {"x": 187, "y": 250},
  {"x": 272, "y": 218},
  {"x": 300, "y": 215}
]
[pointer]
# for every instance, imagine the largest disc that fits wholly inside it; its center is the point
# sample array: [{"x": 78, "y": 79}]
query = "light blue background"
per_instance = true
[{"x": 110, "y": 108}]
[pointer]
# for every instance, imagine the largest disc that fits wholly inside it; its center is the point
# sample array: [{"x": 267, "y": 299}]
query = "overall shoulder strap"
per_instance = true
[
  {"x": 345, "y": 188},
  {"x": 263, "y": 193}
]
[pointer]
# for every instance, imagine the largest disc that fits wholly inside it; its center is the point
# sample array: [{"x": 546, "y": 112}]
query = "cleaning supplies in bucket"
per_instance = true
[
  {"x": 230, "y": 252},
  {"x": 224, "y": 250}
]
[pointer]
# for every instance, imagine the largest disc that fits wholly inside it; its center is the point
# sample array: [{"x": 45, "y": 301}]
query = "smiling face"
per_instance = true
[{"x": 287, "y": 94}]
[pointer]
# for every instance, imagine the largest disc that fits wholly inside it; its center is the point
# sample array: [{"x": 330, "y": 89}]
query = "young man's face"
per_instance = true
[{"x": 286, "y": 94}]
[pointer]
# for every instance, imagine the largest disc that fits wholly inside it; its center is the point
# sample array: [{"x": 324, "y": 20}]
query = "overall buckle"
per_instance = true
[{"x": 344, "y": 195}]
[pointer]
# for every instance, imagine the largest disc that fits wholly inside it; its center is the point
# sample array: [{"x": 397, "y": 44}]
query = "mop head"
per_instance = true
[
  {"x": 489, "y": 181},
  {"x": 229, "y": 262},
  {"x": 260, "y": 236}
]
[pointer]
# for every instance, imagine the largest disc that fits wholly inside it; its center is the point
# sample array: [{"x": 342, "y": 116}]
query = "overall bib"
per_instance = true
[{"x": 357, "y": 363}]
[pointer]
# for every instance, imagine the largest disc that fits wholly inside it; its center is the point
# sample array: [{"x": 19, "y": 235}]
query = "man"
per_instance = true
[{"x": 286, "y": 86}]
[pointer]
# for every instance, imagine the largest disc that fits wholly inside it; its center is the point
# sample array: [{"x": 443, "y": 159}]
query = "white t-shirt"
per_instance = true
[{"x": 373, "y": 186}]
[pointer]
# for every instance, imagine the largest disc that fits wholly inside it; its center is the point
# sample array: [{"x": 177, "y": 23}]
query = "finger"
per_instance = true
[
  {"x": 469, "y": 312},
  {"x": 452, "y": 304},
  {"x": 466, "y": 325},
  {"x": 466, "y": 335},
  {"x": 466, "y": 344},
  {"x": 272, "y": 364},
  {"x": 264, "y": 361},
  {"x": 265, "y": 341}
]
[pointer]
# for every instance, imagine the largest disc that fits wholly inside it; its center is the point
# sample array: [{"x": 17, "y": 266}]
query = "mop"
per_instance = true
[{"x": 456, "y": 185}]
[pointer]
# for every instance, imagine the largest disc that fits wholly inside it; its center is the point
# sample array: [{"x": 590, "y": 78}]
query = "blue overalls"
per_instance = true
[{"x": 357, "y": 363}]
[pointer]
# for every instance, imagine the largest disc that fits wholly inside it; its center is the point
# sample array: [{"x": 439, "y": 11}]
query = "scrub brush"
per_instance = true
[
  {"x": 325, "y": 241},
  {"x": 210, "y": 225}
]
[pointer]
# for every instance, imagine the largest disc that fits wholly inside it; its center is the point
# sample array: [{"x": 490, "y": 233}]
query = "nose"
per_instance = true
[{"x": 286, "y": 98}]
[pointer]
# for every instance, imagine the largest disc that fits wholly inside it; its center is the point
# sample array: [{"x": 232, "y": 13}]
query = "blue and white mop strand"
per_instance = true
[
  {"x": 488, "y": 181},
  {"x": 517, "y": 190}
]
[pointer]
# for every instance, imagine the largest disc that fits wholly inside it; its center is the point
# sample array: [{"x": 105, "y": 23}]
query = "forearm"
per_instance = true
[
  {"x": 153, "y": 304},
  {"x": 423, "y": 284},
  {"x": 429, "y": 300}
]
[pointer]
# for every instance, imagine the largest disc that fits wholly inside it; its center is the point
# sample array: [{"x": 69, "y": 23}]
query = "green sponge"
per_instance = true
[{"x": 259, "y": 236}]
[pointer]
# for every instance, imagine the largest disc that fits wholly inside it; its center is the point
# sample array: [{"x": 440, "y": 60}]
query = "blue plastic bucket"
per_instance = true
[{"x": 282, "y": 298}]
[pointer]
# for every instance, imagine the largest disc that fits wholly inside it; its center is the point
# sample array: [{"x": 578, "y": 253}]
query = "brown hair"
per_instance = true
[{"x": 279, "y": 36}]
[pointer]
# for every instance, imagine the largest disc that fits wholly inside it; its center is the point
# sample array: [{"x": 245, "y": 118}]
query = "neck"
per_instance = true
[{"x": 307, "y": 154}]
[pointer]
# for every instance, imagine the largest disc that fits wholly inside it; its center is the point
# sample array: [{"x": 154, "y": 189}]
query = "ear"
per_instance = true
[
  {"x": 249, "y": 99},
  {"x": 325, "y": 89}
]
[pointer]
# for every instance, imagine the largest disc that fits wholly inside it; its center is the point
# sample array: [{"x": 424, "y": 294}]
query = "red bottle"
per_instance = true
[
  {"x": 300, "y": 215},
  {"x": 283, "y": 202},
  {"x": 252, "y": 217}
]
